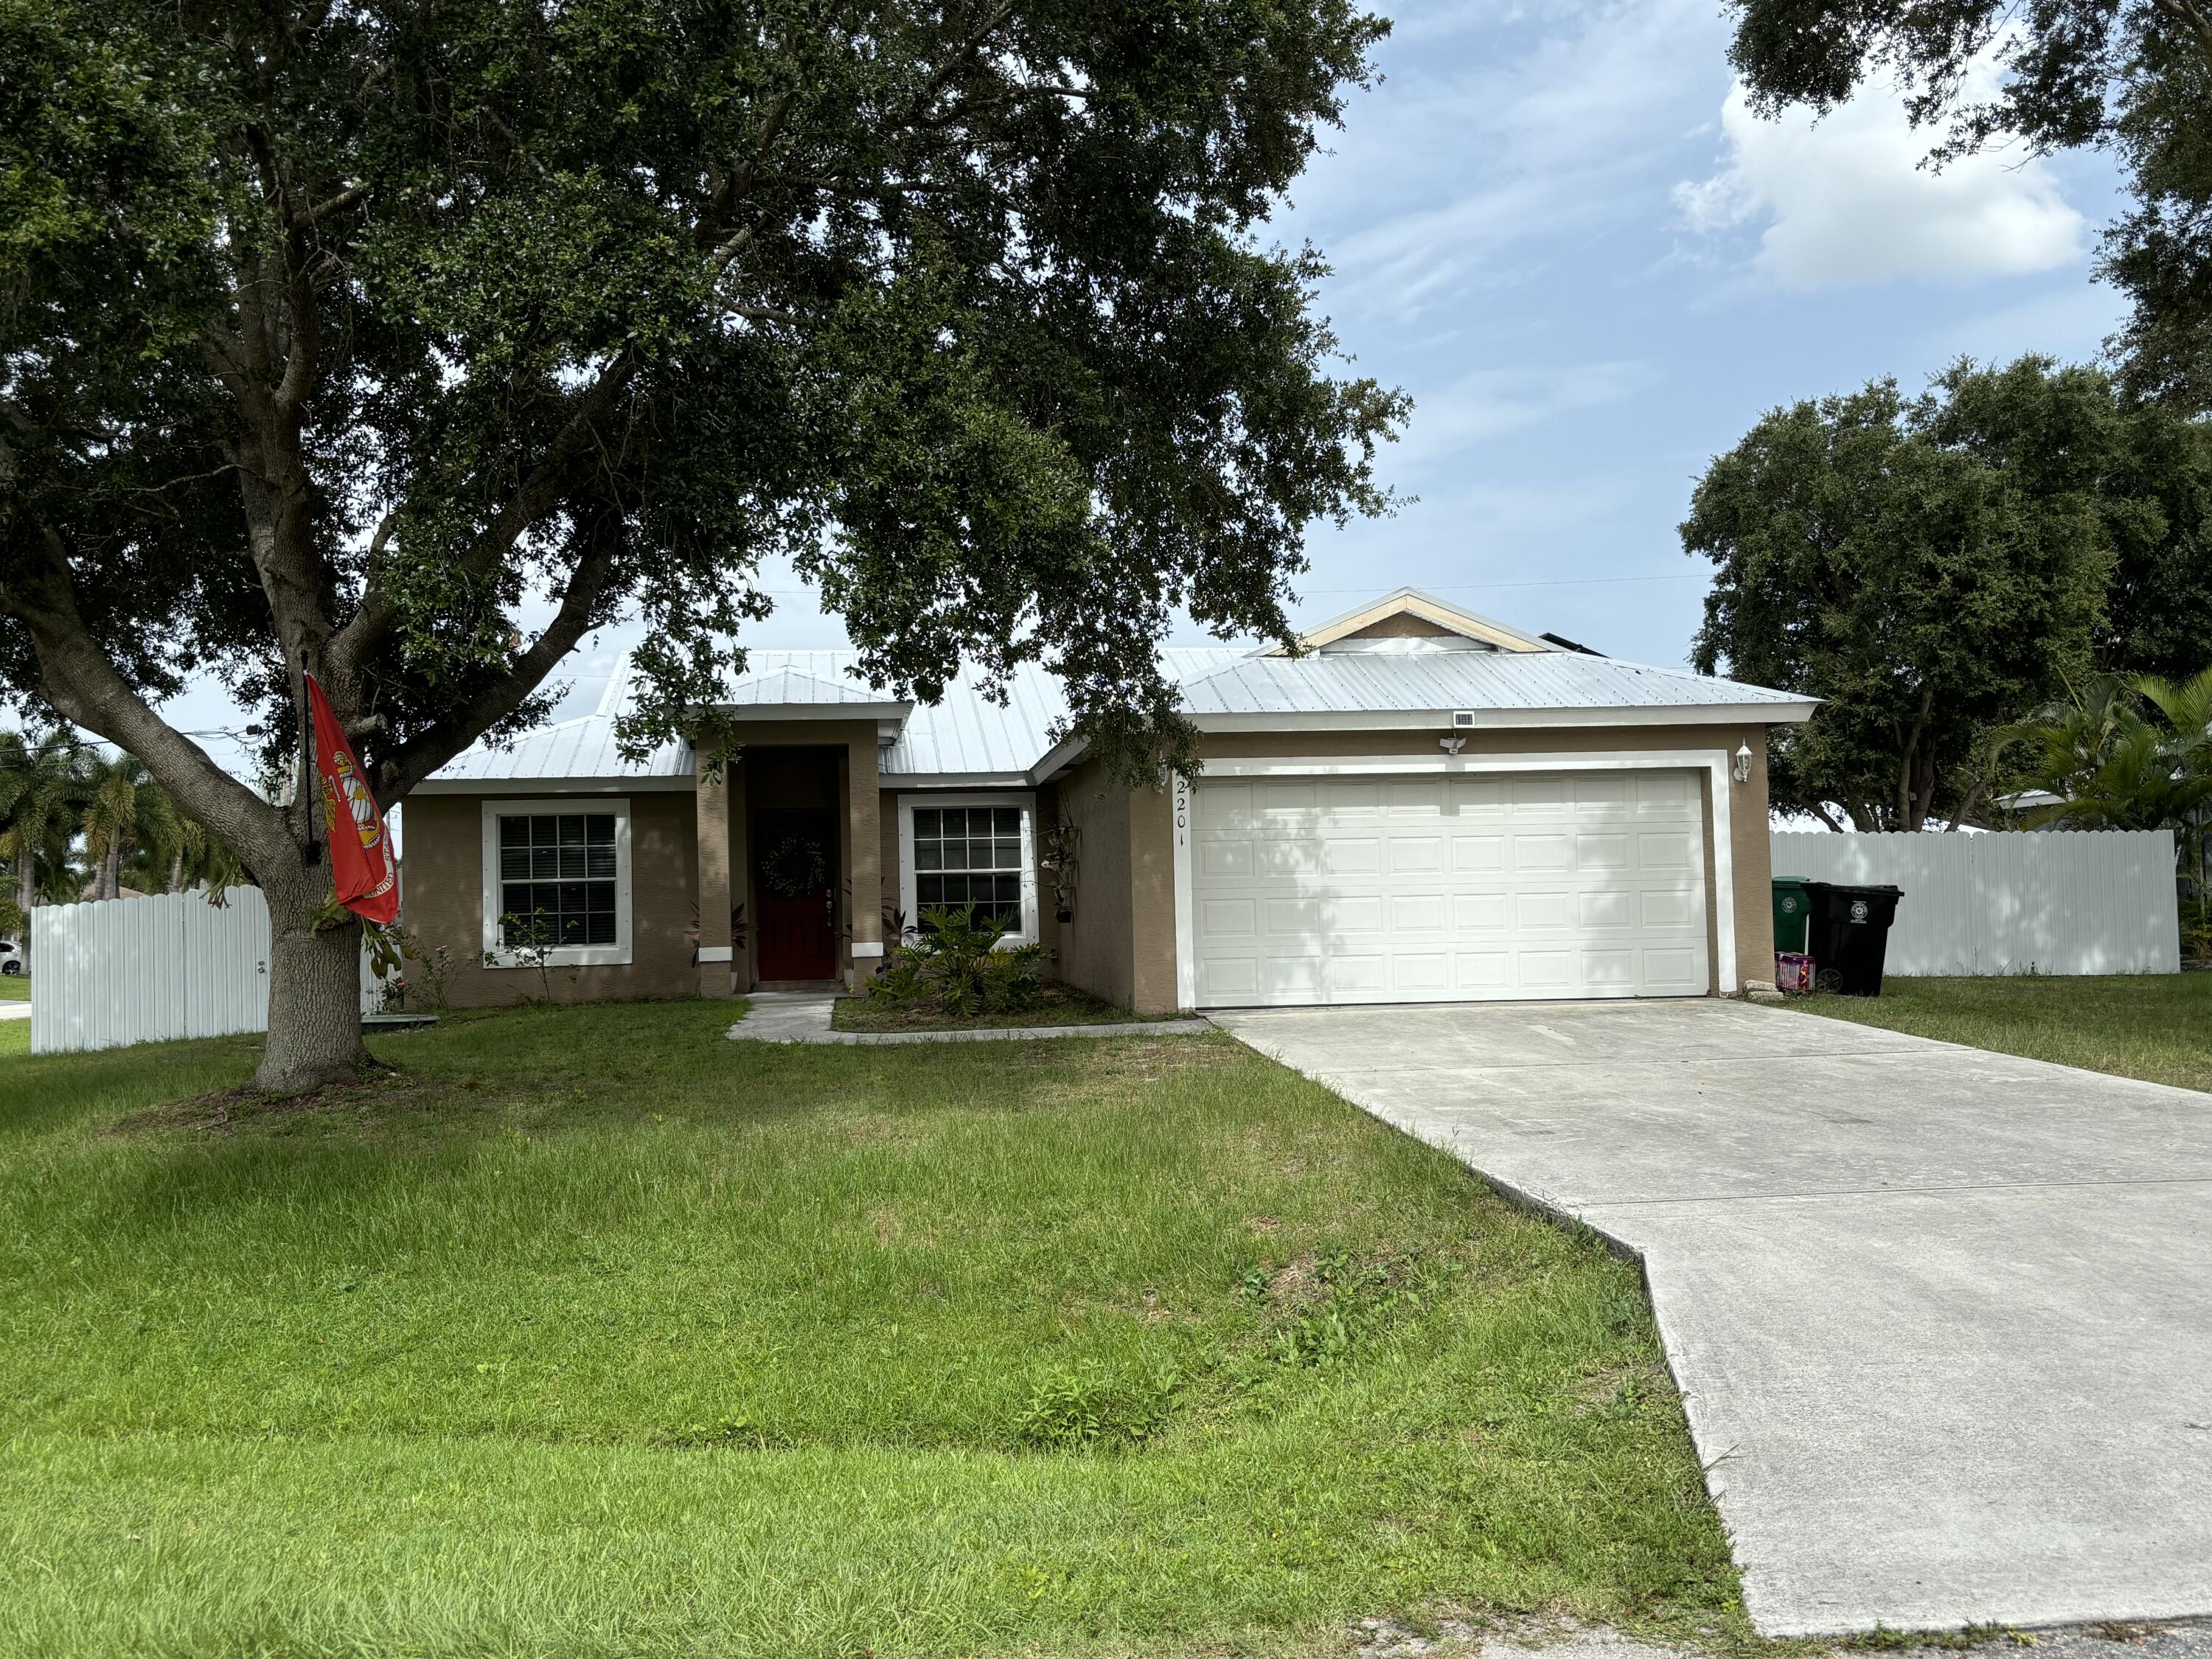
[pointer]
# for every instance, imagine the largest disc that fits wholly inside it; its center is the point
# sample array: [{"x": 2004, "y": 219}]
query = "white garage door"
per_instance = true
[{"x": 1447, "y": 889}]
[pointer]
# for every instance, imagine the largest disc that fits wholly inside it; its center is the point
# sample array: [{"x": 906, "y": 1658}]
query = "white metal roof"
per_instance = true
[
  {"x": 769, "y": 680},
  {"x": 968, "y": 736},
  {"x": 571, "y": 750},
  {"x": 1441, "y": 681}
]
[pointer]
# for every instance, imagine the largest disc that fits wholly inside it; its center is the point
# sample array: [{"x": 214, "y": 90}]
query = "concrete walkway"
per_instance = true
[
  {"x": 15, "y": 1010},
  {"x": 1942, "y": 1319},
  {"x": 803, "y": 1017}
]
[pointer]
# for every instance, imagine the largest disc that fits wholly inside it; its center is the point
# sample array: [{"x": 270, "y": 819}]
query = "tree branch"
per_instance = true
[
  {"x": 414, "y": 761},
  {"x": 84, "y": 687}
]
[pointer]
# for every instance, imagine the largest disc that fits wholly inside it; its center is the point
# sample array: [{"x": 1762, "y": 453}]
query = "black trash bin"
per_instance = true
[{"x": 1849, "y": 935}]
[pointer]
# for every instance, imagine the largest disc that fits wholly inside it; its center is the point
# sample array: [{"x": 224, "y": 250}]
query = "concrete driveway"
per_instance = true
[{"x": 1942, "y": 1319}]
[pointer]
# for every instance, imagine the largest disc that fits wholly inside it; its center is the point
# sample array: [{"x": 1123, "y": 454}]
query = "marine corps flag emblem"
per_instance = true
[{"x": 363, "y": 874}]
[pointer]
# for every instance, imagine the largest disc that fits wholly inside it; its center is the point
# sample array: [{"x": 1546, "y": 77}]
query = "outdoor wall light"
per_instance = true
[{"x": 1743, "y": 763}]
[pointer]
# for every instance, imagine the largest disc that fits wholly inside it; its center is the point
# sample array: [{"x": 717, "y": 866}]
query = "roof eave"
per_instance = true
[
  {"x": 1417, "y": 720},
  {"x": 816, "y": 711},
  {"x": 663, "y": 783}
]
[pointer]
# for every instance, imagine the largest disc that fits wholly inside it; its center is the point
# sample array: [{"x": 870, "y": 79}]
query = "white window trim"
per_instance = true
[
  {"x": 616, "y": 955},
  {"x": 1713, "y": 762},
  {"x": 1024, "y": 800}
]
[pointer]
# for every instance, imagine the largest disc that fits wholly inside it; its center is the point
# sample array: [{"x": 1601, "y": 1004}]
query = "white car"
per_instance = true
[{"x": 11, "y": 956}]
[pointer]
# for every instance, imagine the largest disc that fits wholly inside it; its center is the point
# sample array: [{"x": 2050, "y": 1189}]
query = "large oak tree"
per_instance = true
[
  {"x": 403, "y": 342},
  {"x": 1930, "y": 568}
]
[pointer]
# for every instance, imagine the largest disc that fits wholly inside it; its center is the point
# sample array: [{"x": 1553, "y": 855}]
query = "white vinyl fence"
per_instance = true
[
  {"x": 2085, "y": 901},
  {"x": 143, "y": 969}
]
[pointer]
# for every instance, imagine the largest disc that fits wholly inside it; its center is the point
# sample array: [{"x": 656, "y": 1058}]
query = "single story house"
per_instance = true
[{"x": 1427, "y": 805}]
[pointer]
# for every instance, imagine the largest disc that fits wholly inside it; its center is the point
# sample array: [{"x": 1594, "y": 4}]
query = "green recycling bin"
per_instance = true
[{"x": 1793, "y": 909}]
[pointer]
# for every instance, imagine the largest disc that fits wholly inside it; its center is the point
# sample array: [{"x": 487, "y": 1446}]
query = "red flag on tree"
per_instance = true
[{"x": 363, "y": 874}]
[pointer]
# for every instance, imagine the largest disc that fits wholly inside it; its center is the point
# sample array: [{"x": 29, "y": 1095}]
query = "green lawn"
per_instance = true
[
  {"x": 15, "y": 988},
  {"x": 2154, "y": 1026},
  {"x": 594, "y": 1333}
]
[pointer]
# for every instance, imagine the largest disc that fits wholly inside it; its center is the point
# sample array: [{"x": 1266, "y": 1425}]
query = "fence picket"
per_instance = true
[
  {"x": 2087, "y": 902},
  {"x": 118, "y": 971}
]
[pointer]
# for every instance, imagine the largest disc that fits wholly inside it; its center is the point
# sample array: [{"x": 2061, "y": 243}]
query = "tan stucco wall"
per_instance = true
[
  {"x": 444, "y": 902},
  {"x": 1097, "y": 948},
  {"x": 1151, "y": 942}
]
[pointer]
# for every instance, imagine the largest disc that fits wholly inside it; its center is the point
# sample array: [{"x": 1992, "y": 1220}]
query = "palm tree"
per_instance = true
[
  {"x": 44, "y": 785},
  {"x": 121, "y": 808},
  {"x": 176, "y": 853},
  {"x": 2126, "y": 754}
]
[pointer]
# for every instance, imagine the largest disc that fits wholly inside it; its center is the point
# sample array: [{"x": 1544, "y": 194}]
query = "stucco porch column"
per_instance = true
[
  {"x": 713, "y": 891},
  {"x": 864, "y": 835}
]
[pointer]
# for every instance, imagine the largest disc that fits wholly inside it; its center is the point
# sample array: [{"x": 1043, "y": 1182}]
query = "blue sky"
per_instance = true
[{"x": 1558, "y": 229}]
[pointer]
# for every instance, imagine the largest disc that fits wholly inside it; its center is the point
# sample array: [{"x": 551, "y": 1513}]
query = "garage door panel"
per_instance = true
[
  {"x": 1227, "y": 979},
  {"x": 1601, "y": 852},
  {"x": 1482, "y": 913},
  {"x": 1351, "y": 800},
  {"x": 1550, "y": 971},
  {"x": 1478, "y": 854},
  {"x": 1605, "y": 971},
  {"x": 1352, "y": 856},
  {"x": 1228, "y": 919},
  {"x": 1543, "y": 850},
  {"x": 1483, "y": 973},
  {"x": 1224, "y": 806},
  {"x": 1474, "y": 796},
  {"x": 1544, "y": 913},
  {"x": 1355, "y": 975},
  {"x": 1414, "y": 855},
  {"x": 1542, "y": 793},
  {"x": 1420, "y": 913},
  {"x": 1607, "y": 908},
  {"x": 1559, "y": 885},
  {"x": 1417, "y": 974},
  {"x": 1225, "y": 857}
]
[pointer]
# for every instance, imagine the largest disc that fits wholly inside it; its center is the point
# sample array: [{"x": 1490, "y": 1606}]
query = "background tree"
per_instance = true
[
  {"x": 403, "y": 346},
  {"x": 175, "y": 853},
  {"x": 2132, "y": 79},
  {"x": 2123, "y": 753},
  {"x": 1929, "y": 567},
  {"x": 45, "y": 782},
  {"x": 2157, "y": 612},
  {"x": 123, "y": 805}
]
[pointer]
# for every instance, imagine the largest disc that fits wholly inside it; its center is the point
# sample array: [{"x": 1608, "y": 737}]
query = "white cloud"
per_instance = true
[
  {"x": 1847, "y": 201},
  {"x": 1490, "y": 403},
  {"x": 1501, "y": 134}
]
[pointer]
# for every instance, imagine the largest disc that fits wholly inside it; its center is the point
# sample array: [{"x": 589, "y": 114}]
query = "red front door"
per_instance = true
[{"x": 794, "y": 856}]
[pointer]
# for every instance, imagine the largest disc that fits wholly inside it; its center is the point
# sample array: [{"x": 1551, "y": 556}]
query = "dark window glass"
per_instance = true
[
  {"x": 556, "y": 872},
  {"x": 970, "y": 855}
]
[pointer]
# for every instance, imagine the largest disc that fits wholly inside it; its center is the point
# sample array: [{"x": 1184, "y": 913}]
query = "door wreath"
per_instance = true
[{"x": 797, "y": 869}]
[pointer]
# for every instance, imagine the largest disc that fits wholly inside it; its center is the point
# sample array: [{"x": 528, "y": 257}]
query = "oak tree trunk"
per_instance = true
[{"x": 314, "y": 989}]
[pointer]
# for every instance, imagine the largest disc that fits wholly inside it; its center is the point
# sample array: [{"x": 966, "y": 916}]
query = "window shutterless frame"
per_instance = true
[
  {"x": 910, "y": 901},
  {"x": 586, "y": 855}
]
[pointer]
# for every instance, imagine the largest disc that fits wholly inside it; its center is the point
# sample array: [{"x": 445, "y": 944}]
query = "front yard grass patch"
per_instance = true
[
  {"x": 1062, "y": 1004},
  {"x": 590, "y": 1333},
  {"x": 2157, "y": 1027}
]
